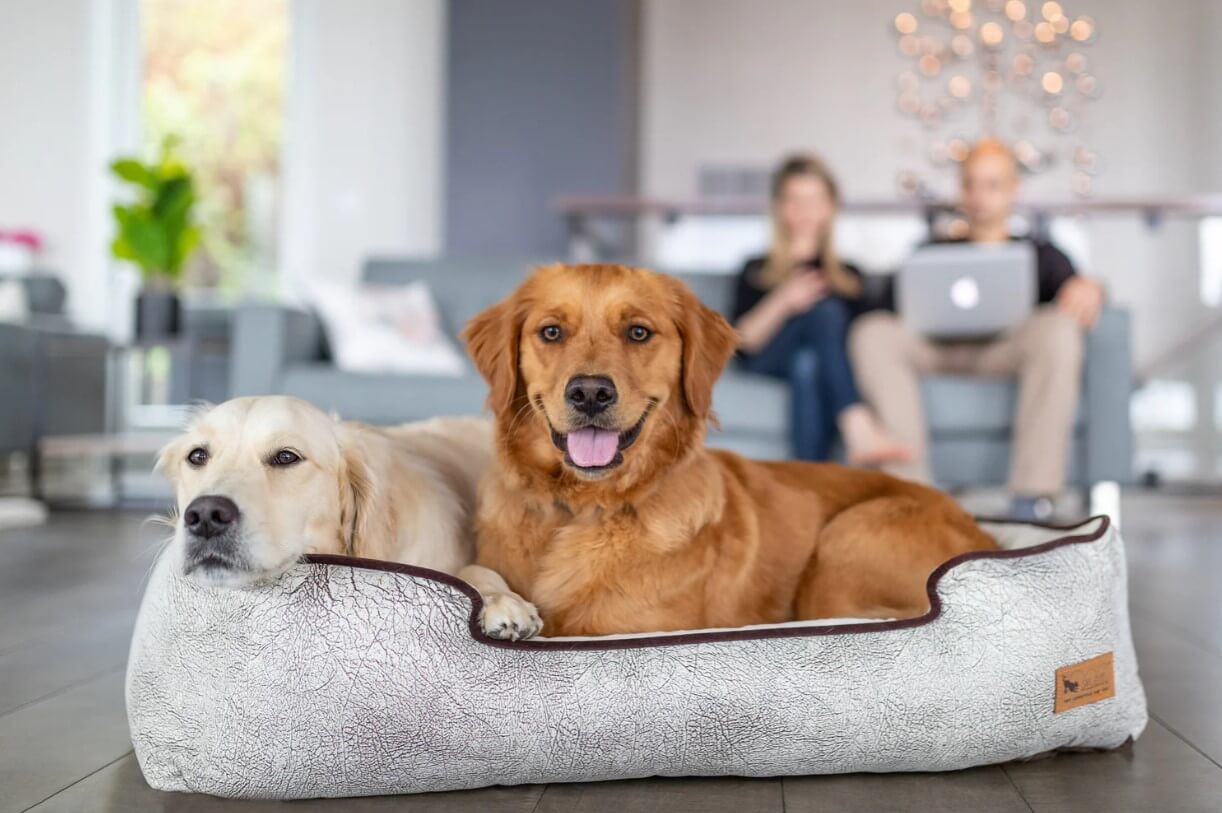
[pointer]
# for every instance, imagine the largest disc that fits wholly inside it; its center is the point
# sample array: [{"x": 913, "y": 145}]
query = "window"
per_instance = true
[{"x": 214, "y": 76}]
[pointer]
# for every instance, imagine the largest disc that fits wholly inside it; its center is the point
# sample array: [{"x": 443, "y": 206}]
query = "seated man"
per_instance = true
[{"x": 1044, "y": 353}]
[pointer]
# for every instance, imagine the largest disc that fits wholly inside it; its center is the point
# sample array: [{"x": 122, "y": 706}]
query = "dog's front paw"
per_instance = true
[{"x": 509, "y": 616}]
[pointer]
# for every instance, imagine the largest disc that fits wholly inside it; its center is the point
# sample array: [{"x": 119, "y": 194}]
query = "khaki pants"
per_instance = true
[{"x": 1045, "y": 352}]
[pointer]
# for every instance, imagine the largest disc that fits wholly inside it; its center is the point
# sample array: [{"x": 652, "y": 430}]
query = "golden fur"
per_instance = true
[
  {"x": 676, "y": 536},
  {"x": 402, "y": 494}
]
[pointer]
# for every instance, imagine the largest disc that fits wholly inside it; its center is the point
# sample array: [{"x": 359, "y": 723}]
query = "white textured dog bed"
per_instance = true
[{"x": 349, "y": 677}]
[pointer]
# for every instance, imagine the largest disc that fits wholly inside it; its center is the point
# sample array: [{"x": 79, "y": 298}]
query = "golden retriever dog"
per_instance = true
[
  {"x": 262, "y": 481},
  {"x": 608, "y": 512}
]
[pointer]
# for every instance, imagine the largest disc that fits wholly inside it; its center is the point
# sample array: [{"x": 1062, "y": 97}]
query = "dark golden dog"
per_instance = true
[{"x": 606, "y": 510}]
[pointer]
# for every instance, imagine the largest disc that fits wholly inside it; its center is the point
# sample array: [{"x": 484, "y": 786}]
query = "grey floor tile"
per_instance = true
[
  {"x": 63, "y": 658},
  {"x": 53, "y": 743},
  {"x": 977, "y": 789},
  {"x": 1182, "y": 682},
  {"x": 1159, "y": 772},
  {"x": 692, "y": 795},
  {"x": 119, "y": 788}
]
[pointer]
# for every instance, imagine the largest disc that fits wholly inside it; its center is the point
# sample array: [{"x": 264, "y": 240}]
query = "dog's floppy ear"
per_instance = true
[
  {"x": 492, "y": 341},
  {"x": 708, "y": 343},
  {"x": 367, "y": 520}
]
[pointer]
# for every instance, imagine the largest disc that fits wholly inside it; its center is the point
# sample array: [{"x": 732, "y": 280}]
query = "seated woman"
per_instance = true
[{"x": 792, "y": 310}]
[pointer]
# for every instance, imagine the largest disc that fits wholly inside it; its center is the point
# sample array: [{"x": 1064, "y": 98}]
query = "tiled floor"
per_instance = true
[{"x": 69, "y": 591}]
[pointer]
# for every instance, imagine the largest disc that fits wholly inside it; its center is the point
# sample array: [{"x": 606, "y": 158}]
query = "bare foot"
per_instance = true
[{"x": 867, "y": 442}]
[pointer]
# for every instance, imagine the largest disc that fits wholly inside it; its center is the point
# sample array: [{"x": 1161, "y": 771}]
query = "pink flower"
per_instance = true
[{"x": 25, "y": 237}]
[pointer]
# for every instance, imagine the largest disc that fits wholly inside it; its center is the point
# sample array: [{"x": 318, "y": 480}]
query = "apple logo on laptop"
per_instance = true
[{"x": 965, "y": 293}]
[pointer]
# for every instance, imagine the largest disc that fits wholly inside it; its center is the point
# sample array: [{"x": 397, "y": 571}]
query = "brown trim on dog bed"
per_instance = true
[{"x": 675, "y": 639}]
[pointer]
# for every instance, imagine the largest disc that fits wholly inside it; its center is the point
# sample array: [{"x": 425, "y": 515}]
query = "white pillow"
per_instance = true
[
  {"x": 14, "y": 306},
  {"x": 386, "y": 328}
]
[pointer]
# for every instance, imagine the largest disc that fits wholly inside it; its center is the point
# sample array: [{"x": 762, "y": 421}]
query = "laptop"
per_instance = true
[{"x": 967, "y": 290}]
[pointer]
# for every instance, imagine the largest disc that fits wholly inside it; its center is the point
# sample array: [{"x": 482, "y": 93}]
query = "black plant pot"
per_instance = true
[{"x": 158, "y": 316}]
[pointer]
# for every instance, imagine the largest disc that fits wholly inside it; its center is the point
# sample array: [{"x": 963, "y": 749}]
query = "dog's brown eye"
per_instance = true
[
  {"x": 197, "y": 456},
  {"x": 285, "y": 457},
  {"x": 550, "y": 333},
  {"x": 639, "y": 333}
]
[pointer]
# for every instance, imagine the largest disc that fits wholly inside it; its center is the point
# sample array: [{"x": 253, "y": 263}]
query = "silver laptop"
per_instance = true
[{"x": 967, "y": 290}]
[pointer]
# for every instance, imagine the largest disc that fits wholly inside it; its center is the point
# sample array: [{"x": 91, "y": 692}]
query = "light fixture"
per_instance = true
[
  {"x": 991, "y": 34},
  {"x": 1087, "y": 85},
  {"x": 1083, "y": 29},
  {"x": 1017, "y": 65},
  {"x": 962, "y": 46}
]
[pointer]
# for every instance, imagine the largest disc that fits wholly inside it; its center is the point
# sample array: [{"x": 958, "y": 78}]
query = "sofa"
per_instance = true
[
  {"x": 52, "y": 376},
  {"x": 283, "y": 350}
]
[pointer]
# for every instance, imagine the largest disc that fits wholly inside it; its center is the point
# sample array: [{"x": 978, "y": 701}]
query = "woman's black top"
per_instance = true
[{"x": 748, "y": 291}]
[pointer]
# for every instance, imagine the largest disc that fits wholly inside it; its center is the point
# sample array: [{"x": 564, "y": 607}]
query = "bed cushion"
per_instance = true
[{"x": 350, "y": 677}]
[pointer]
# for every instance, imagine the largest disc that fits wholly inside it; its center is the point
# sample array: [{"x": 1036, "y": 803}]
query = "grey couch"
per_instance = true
[
  {"x": 52, "y": 376},
  {"x": 283, "y": 350}
]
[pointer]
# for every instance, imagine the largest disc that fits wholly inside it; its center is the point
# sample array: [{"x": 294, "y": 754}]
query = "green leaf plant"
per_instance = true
[{"x": 156, "y": 230}]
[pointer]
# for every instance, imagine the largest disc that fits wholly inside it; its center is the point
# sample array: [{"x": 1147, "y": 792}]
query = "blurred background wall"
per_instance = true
[{"x": 429, "y": 128}]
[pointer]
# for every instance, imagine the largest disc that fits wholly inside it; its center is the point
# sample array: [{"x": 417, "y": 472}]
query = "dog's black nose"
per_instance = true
[
  {"x": 207, "y": 517},
  {"x": 590, "y": 394}
]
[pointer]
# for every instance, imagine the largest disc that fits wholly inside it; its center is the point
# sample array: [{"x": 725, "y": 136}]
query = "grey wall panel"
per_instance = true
[{"x": 541, "y": 101}]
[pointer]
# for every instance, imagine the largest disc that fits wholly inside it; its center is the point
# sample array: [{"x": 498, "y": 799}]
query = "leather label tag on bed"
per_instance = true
[{"x": 1084, "y": 683}]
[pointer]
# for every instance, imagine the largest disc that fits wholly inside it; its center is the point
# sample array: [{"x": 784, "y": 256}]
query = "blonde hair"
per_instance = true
[{"x": 779, "y": 265}]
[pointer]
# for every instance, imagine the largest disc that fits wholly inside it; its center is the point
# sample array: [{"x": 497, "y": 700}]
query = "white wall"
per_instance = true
[
  {"x": 741, "y": 83},
  {"x": 44, "y": 114},
  {"x": 363, "y": 152}
]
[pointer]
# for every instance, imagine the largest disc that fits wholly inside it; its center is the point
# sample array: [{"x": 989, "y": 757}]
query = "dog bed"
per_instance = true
[{"x": 351, "y": 677}]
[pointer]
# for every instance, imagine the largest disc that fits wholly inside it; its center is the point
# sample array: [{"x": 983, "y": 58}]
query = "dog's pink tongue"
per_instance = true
[{"x": 592, "y": 447}]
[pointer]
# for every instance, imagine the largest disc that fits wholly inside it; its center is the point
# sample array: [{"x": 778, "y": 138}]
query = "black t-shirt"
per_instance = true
[{"x": 748, "y": 291}]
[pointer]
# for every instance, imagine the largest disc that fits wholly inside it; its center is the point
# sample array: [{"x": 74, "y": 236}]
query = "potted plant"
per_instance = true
[{"x": 157, "y": 233}]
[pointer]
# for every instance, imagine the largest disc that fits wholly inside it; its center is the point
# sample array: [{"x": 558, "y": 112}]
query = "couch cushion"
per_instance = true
[
  {"x": 385, "y": 399},
  {"x": 964, "y": 405},
  {"x": 746, "y": 402},
  {"x": 462, "y": 286}
]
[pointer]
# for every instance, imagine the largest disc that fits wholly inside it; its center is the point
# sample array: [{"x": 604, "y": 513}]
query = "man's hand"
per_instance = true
[
  {"x": 800, "y": 292},
  {"x": 1081, "y": 299}
]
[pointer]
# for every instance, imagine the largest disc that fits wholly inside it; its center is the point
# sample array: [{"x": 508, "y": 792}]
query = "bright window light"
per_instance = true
[
  {"x": 1164, "y": 406},
  {"x": 1210, "y": 236},
  {"x": 214, "y": 78}
]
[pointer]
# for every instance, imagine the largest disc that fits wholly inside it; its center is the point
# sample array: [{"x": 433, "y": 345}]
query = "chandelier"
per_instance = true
[{"x": 1013, "y": 70}]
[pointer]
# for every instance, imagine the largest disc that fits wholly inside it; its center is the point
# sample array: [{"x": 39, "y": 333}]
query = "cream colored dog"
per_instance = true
[{"x": 262, "y": 481}]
